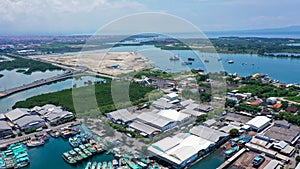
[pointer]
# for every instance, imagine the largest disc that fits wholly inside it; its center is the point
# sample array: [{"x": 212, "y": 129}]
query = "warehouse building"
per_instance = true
[
  {"x": 259, "y": 123},
  {"x": 180, "y": 150},
  {"x": 155, "y": 120}
]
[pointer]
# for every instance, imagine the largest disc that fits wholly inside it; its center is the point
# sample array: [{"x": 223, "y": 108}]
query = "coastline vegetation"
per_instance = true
[
  {"x": 273, "y": 47},
  {"x": 64, "y": 98},
  {"x": 29, "y": 64}
]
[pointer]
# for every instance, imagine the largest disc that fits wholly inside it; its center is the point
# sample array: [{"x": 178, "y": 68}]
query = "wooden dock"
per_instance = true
[{"x": 232, "y": 159}]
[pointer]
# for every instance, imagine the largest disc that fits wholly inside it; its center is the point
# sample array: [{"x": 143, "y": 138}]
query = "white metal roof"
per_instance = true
[
  {"x": 207, "y": 133},
  {"x": 178, "y": 148},
  {"x": 143, "y": 127},
  {"x": 174, "y": 115},
  {"x": 258, "y": 121},
  {"x": 154, "y": 119}
]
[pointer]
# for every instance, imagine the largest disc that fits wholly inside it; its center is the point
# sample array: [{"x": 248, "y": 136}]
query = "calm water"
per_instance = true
[
  {"x": 49, "y": 156},
  {"x": 212, "y": 161},
  {"x": 14, "y": 79},
  {"x": 7, "y": 102}
]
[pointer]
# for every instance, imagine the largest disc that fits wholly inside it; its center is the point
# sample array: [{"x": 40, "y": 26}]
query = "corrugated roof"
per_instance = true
[
  {"x": 154, "y": 119},
  {"x": 17, "y": 113},
  {"x": 143, "y": 127},
  {"x": 179, "y": 147},
  {"x": 258, "y": 121},
  {"x": 28, "y": 119},
  {"x": 122, "y": 114},
  {"x": 207, "y": 133},
  {"x": 4, "y": 126},
  {"x": 272, "y": 164},
  {"x": 174, "y": 115}
]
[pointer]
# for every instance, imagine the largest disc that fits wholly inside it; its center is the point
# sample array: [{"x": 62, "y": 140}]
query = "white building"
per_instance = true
[
  {"x": 179, "y": 117},
  {"x": 259, "y": 123},
  {"x": 180, "y": 149}
]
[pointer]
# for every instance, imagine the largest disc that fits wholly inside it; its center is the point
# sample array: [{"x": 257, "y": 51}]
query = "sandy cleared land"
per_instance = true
[{"x": 123, "y": 62}]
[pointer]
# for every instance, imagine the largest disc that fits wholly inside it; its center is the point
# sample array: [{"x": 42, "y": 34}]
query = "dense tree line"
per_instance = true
[
  {"x": 84, "y": 95},
  {"x": 29, "y": 64}
]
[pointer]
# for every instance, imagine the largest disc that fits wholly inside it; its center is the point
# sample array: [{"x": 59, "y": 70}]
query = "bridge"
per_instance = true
[{"x": 41, "y": 82}]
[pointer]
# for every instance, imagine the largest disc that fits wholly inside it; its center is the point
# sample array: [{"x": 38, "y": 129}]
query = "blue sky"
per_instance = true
[{"x": 32, "y": 17}]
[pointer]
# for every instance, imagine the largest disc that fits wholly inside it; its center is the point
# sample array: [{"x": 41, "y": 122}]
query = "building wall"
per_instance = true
[
  {"x": 4, "y": 133},
  {"x": 27, "y": 127}
]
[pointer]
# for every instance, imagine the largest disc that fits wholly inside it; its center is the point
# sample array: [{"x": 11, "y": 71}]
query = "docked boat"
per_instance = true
[
  {"x": 230, "y": 61},
  {"x": 174, "y": 58},
  {"x": 99, "y": 165},
  {"x": 230, "y": 152},
  {"x": 68, "y": 158},
  {"x": 94, "y": 165},
  {"x": 258, "y": 160},
  {"x": 9, "y": 162},
  {"x": 35, "y": 142},
  {"x": 104, "y": 165},
  {"x": 75, "y": 141},
  {"x": 109, "y": 165},
  {"x": 68, "y": 133},
  {"x": 191, "y": 59},
  {"x": 88, "y": 165},
  {"x": 115, "y": 163},
  {"x": 78, "y": 151},
  {"x": 187, "y": 63}
]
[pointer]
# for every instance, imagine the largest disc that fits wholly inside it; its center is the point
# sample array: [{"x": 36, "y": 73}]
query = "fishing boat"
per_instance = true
[
  {"x": 109, "y": 165},
  {"x": 85, "y": 151},
  {"x": 115, "y": 163},
  {"x": 99, "y": 165},
  {"x": 88, "y": 165},
  {"x": 230, "y": 152},
  {"x": 187, "y": 63},
  {"x": 9, "y": 162},
  {"x": 35, "y": 142},
  {"x": 94, "y": 165},
  {"x": 258, "y": 160},
  {"x": 230, "y": 61},
  {"x": 191, "y": 59},
  {"x": 75, "y": 141},
  {"x": 206, "y": 61},
  {"x": 80, "y": 153},
  {"x": 174, "y": 58},
  {"x": 68, "y": 133},
  {"x": 104, "y": 165},
  {"x": 68, "y": 158}
]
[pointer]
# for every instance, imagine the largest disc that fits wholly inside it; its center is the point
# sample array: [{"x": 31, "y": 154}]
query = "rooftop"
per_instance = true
[
  {"x": 28, "y": 119},
  {"x": 208, "y": 133},
  {"x": 143, "y": 127},
  {"x": 4, "y": 126},
  {"x": 289, "y": 135},
  {"x": 155, "y": 119},
  {"x": 173, "y": 115},
  {"x": 258, "y": 121},
  {"x": 17, "y": 113},
  {"x": 122, "y": 114}
]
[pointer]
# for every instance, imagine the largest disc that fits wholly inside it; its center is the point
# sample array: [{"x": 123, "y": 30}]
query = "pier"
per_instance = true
[
  {"x": 41, "y": 82},
  {"x": 231, "y": 159},
  {"x": 5, "y": 142}
]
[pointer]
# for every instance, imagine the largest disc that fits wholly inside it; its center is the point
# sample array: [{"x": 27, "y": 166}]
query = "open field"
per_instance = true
[{"x": 112, "y": 63}]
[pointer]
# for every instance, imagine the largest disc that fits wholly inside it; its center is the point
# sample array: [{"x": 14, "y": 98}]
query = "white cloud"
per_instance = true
[{"x": 59, "y": 15}]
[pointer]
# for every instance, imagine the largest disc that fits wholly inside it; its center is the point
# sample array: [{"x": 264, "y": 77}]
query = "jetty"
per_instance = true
[
  {"x": 232, "y": 159},
  {"x": 5, "y": 142},
  {"x": 41, "y": 82}
]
